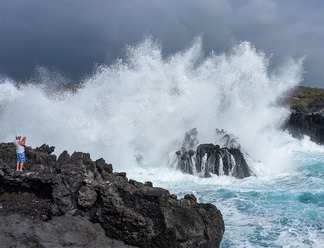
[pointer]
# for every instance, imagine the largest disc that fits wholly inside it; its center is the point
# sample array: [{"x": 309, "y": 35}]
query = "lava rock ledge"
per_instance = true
[{"x": 76, "y": 202}]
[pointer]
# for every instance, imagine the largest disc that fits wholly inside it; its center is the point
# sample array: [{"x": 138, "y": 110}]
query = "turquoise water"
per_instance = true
[{"x": 284, "y": 210}]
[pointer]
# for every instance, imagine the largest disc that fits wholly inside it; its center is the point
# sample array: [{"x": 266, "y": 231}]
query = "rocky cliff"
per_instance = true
[
  {"x": 74, "y": 201},
  {"x": 300, "y": 124}
]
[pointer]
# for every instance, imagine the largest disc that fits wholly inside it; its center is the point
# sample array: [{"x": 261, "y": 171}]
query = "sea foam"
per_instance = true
[{"x": 135, "y": 112}]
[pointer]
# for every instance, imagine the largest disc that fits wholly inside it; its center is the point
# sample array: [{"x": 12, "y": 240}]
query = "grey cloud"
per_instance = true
[
  {"x": 74, "y": 35},
  {"x": 262, "y": 12},
  {"x": 294, "y": 29}
]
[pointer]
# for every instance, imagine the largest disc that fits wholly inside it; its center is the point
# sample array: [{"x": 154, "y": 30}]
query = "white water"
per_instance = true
[
  {"x": 221, "y": 169},
  {"x": 281, "y": 210},
  {"x": 142, "y": 107},
  {"x": 135, "y": 113}
]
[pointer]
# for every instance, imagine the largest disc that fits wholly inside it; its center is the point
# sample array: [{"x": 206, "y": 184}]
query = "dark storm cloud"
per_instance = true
[
  {"x": 291, "y": 28},
  {"x": 73, "y": 35}
]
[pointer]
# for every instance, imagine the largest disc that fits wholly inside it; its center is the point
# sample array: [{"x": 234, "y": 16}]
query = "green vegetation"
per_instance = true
[{"x": 307, "y": 100}]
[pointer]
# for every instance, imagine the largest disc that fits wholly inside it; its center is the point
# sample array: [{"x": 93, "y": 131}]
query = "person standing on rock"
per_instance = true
[{"x": 20, "y": 150}]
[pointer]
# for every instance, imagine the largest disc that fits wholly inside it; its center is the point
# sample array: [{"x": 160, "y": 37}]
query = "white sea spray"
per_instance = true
[
  {"x": 137, "y": 110},
  {"x": 135, "y": 113}
]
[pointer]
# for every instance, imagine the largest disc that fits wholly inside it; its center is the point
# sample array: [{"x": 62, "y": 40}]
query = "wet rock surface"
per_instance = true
[
  {"x": 207, "y": 159},
  {"x": 312, "y": 125},
  {"x": 51, "y": 189},
  {"x": 211, "y": 159}
]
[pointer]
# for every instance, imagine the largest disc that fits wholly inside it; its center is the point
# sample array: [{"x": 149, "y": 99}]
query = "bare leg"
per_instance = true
[
  {"x": 17, "y": 166},
  {"x": 21, "y": 166}
]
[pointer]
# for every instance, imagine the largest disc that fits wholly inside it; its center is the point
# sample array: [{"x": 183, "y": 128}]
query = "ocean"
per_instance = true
[
  {"x": 134, "y": 113},
  {"x": 283, "y": 209}
]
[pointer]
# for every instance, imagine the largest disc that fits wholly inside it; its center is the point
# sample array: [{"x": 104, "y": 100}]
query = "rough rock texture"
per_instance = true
[
  {"x": 209, "y": 158},
  {"x": 50, "y": 190},
  {"x": 310, "y": 125}
]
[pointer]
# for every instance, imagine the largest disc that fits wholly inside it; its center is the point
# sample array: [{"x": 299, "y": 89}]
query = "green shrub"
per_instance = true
[{"x": 301, "y": 106}]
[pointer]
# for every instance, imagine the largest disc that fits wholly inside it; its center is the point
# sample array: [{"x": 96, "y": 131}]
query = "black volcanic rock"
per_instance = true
[
  {"x": 312, "y": 125},
  {"x": 55, "y": 194},
  {"x": 210, "y": 158},
  {"x": 65, "y": 231}
]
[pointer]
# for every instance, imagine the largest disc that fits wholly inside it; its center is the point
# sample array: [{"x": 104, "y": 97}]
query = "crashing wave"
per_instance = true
[{"x": 207, "y": 159}]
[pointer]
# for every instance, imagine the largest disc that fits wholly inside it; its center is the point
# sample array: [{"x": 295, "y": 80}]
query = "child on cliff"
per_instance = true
[{"x": 20, "y": 150}]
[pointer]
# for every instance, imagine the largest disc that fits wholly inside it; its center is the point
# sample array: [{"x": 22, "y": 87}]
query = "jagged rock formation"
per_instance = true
[
  {"x": 209, "y": 158},
  {"x": 221, "y": 161},
  {"x": 312, "y": 125},
  {"x": 76, "y": 189}
]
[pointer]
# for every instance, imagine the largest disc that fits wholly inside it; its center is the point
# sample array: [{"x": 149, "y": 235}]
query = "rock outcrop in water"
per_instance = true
[
  {"x": 312, "y": 125},
  {"x": 209, "y": 158},
  {"x": 74, "y": 201}
]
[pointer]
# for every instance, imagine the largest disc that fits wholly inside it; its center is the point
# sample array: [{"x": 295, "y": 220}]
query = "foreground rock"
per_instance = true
[
  {"x": 207, "y": 159},
  {"x": 312, "y": 125},
  {"x": 52, "y": 191},
  {"x": 67, "y": 231}
]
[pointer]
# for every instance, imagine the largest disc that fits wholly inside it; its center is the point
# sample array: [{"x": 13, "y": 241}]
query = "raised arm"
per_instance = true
[{"x": 22, "y": 142}]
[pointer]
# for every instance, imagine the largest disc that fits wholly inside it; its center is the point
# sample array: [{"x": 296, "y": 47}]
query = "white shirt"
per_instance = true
[{"x": 19, "y": 148}]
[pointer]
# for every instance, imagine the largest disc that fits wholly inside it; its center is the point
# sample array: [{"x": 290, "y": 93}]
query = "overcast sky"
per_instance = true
[{"x": 73, "y": 35}]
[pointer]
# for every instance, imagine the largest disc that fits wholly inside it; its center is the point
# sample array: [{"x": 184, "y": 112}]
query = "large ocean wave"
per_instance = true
[{"x": 135, "y": 112}]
